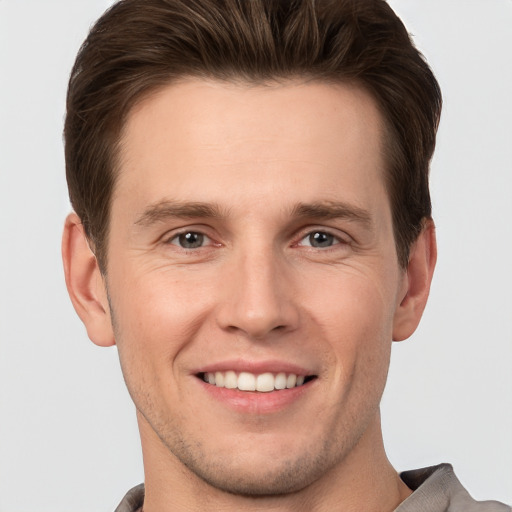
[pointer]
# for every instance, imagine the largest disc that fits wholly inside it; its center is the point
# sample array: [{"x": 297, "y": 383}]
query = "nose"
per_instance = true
[{"x": 258, "y": 297}]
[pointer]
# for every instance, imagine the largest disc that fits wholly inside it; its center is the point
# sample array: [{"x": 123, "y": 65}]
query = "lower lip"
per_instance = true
[{"x": 254, "y": 402}]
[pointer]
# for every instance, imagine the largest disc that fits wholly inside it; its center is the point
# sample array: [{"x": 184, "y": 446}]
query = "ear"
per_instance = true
[
  {"x": 416, "y": 284},
  {"x": 85, "y": 284}
]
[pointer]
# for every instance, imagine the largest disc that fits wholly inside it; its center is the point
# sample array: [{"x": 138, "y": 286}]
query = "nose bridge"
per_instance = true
[{"x": 258, "y": 299}]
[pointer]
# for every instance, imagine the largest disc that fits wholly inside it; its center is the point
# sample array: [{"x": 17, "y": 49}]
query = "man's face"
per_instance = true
[{"x": 251, "y": 234}]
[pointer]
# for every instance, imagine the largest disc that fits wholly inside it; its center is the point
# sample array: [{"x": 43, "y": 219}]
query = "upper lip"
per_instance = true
[{"x": 255, "y": 367}]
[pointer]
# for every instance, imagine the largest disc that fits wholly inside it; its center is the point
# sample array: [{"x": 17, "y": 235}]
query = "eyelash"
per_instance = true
[
  {"x": 335, "y": 239},
  {"x": 185, "y": 233},
  {"x": 340, "y": 240}
]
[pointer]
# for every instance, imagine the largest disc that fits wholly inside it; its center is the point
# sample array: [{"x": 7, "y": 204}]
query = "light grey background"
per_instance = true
[{"x": 68, "y": 439}]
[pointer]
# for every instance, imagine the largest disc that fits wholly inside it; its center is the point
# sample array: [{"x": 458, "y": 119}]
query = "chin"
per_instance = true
[
  {"x": 255, "y": 471},
  {"x": 283, "y": 477}
]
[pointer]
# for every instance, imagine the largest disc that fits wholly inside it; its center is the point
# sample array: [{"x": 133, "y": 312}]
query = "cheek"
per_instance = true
[
  {"x": 159, "y": 304},
  {"x": 355, "y": 315},
  {"x": 154, "y": 319},
  {"x": 355, "y": 305}
]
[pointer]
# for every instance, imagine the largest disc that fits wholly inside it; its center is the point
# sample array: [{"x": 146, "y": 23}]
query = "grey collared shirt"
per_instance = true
[{"x": 436, "y": 489}]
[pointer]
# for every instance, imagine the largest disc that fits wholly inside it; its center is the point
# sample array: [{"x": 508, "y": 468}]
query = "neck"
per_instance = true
[{"x": 363, "y": 480}]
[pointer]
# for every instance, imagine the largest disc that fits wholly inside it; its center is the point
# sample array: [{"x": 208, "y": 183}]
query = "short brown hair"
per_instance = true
[{"x": 138, "y": 46}]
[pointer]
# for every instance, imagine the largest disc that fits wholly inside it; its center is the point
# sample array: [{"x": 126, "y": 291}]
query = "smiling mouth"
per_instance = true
[{"x": 263, "y": 383}]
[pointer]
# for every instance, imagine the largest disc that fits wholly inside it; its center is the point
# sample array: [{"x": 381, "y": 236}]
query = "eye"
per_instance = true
[
  {"x": 319, "y": 239},
  {"x": 189, "y": 240}
]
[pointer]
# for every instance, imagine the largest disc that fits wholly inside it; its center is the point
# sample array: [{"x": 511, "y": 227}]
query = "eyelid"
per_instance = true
[
  {"x": 206, "y": 239},
  {"x": 341, "y": 236},
  {"x": 171, "y": 235}
]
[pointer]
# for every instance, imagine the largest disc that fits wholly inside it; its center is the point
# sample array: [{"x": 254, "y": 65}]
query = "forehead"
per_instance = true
[{"x": 204, "y": 140}]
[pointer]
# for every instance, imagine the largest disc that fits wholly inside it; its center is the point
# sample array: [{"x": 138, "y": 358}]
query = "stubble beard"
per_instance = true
[
  {"x": 234, "y": 476},
  {"x": 230, "y": 474},
  {"x": 288, "y": 476}
]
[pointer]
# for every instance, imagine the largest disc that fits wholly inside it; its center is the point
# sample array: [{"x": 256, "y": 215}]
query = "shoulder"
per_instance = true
[
  {"x": 437, "y": 489},
  {"x": 133, "y": 500}
]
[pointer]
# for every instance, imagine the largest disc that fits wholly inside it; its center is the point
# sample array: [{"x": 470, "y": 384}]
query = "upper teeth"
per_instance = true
[{"x": 246, "y": 381}]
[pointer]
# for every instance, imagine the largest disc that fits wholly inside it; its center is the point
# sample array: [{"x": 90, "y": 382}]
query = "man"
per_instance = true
[{"x": 253, "y": 228}]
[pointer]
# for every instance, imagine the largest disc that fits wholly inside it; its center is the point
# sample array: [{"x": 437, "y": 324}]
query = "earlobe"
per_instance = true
[
  {"x": 420, "y": 269},
  {"x": 85, "y": 283}
]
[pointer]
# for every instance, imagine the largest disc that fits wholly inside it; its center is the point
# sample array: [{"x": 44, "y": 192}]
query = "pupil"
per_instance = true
[
  {"x": 320, "y": 239},
  {"x": 191, "y": 240}
]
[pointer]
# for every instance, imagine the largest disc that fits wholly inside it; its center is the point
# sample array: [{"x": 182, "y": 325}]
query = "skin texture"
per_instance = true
[{"x": 255, "y": 170}]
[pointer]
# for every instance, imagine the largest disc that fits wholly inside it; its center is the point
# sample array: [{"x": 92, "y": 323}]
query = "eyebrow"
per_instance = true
[
  {"x": 328, "y": 210},
  {"x": 164, "y": 210},
  {"x": 321, "y": 210}
]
